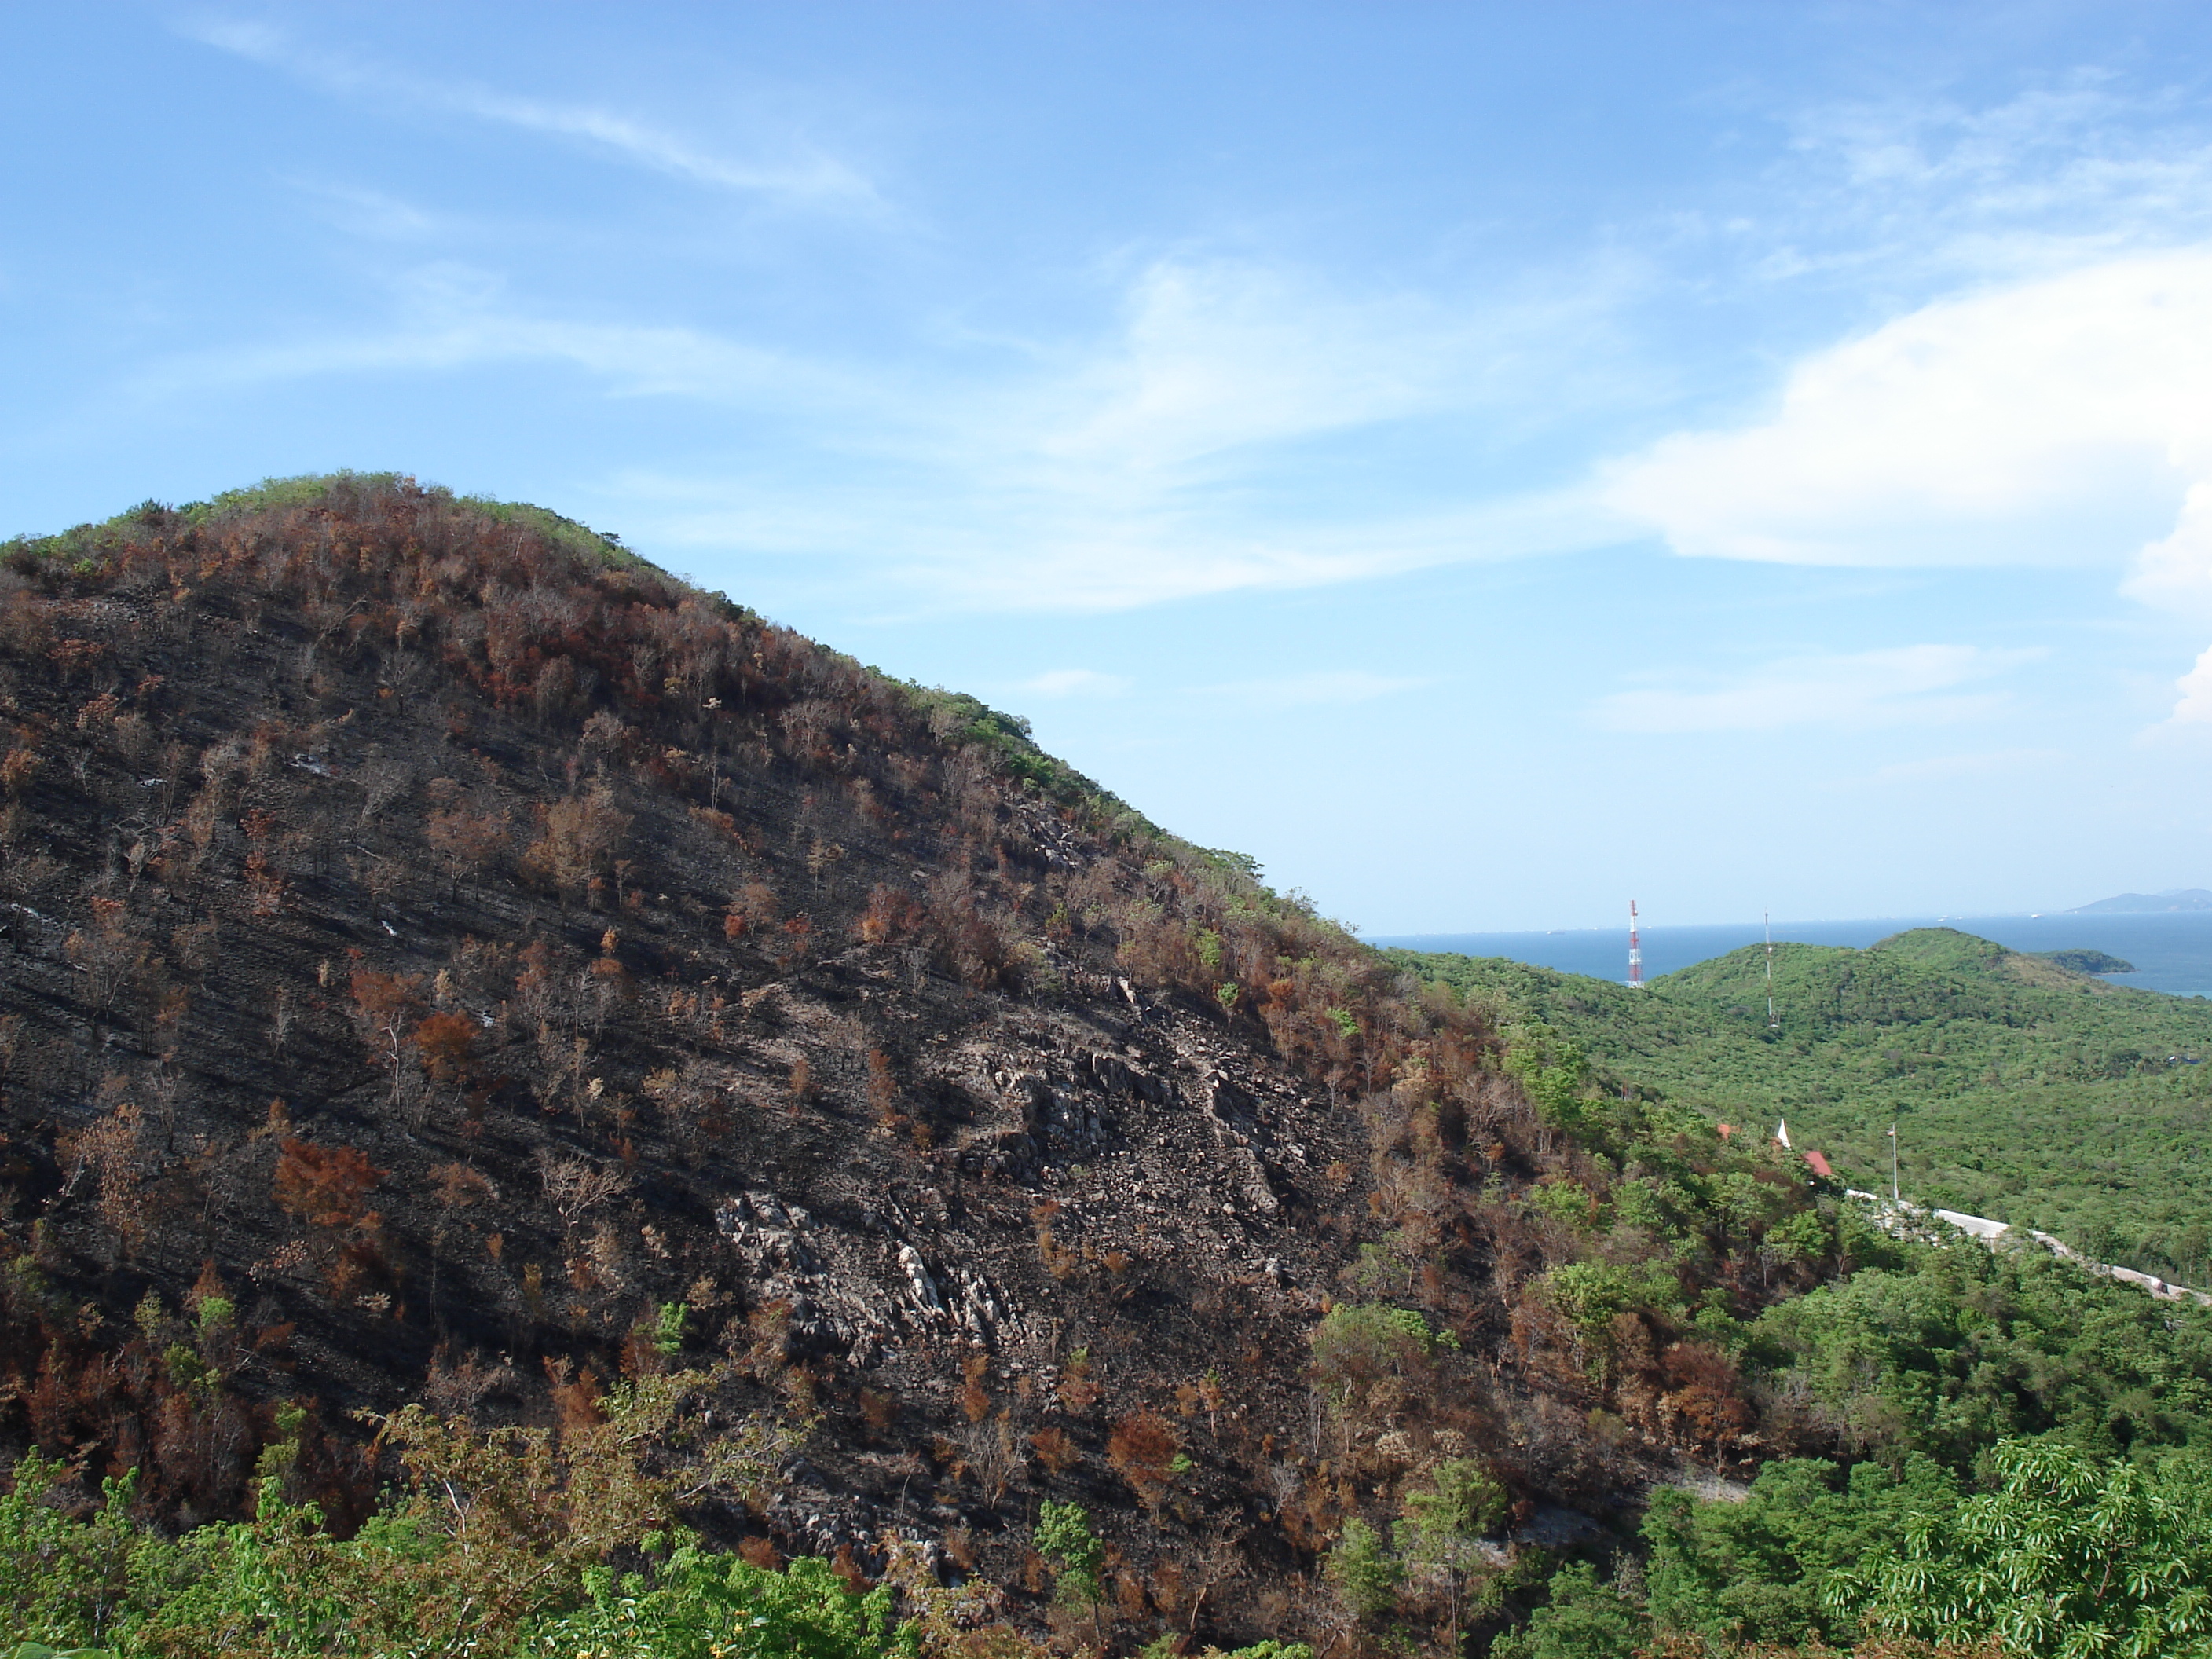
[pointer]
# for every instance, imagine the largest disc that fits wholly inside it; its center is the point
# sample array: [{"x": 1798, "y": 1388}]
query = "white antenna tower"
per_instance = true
[
  {"x": 1771, "y": 1023},
  {"x": 1635, "y": 951}
]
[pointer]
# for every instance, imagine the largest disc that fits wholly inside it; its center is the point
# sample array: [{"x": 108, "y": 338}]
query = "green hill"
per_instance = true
[{"x": 2022, "y": 1090}]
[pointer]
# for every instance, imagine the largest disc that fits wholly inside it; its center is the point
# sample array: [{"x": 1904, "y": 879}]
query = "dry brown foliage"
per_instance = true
[
  {"x": 1055, "y": 1450},
  {"x": 323, "y": 1186},
  {"x": 1142, "y": 1448},
  {"x": 577, "y": 842}
]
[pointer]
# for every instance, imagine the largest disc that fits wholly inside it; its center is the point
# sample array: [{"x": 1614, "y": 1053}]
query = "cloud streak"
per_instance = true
[
  {"x": 1167, "y": 457},
  {"x": 1216, "y": 356},
  {"x": 1326, "y": 687},
  {"x": 1038, "y": 550},
  {"x": 1995, "y": 763},
  {"x": 450, "y": 316},
  {"x": 1074, "y": 683},
  {"x": 634, "y": 360},
  {"x": 1907, "y": 685},
  {"x": 806, "y": 178}
]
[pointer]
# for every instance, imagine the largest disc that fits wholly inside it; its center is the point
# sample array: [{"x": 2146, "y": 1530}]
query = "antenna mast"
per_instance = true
[
  {"x": 1635, "y": 951},
  {"x": 1768, "y": 916}
]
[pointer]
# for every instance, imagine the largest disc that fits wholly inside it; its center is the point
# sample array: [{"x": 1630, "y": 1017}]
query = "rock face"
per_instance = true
[{"x": 441, "y": 957}]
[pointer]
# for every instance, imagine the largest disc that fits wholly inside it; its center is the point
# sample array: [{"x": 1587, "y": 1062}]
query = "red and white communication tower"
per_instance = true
[{"x": 1635, "y": 951}]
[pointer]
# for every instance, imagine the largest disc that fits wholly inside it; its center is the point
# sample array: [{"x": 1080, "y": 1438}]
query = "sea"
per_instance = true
[{"x": 2172, "y": 950}]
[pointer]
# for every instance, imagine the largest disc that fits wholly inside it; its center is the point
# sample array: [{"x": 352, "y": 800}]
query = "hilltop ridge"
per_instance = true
[{"x": 448, "y": 959}]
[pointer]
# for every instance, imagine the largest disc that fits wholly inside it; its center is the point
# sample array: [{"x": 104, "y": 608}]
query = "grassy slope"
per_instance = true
[{"x": 2023, "y": 1091}]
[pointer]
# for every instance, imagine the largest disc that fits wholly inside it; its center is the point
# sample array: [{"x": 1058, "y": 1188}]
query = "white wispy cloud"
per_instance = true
[
  {"x": 2193, "y": 705},
  {"x": 1321, "y": 688},
  {"x": 1890, "y": 197},
  {"x": 370, "y": 213},
  {"x": 2037, "y": 387},
  {"x": 1036, "y": 549},
  {"x": 448, "y": 315},
  {"x": 1163, "y": 457},
  {"x": 1212, "y": 356},
  {"x": 1907, "y": 685},
  {"x": 1992, "y": 762},
  {"x": 804, "y": 175},
  {"x": 1074, "y": 683},
  {"x": 2059, "y": 421}
]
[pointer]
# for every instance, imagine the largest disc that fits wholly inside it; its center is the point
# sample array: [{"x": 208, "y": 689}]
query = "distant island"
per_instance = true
[
  {"x": 2174, "y": 899},
  {"x": 2088, "y": 962}
]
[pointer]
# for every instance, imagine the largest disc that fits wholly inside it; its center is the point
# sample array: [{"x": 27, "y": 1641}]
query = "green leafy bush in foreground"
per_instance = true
[
  {"x": 504, "y": 1543},
  {"x": 702, "y": 1605},
  {"x": 279, "y": 1584},
  {"x": 1949, "y": 1350},
  {"x": 253, "y": 1591},
  {"x": 509, "y": 1544},
  {"x": 2068, "y": 1555}
]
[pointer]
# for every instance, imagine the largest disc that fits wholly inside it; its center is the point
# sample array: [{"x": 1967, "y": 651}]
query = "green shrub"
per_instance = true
[
  {"x": 1358, "y": 1341},
  {"x": 701, "y": 1606},
  {"x": 2069, "y": 1553},
  {"x": 1364, "y": 1571},
  {"x": 1584, "y": 1619},
  {"x": 495, "y": 1539},
  {"x": 1063, "y": 1534}
]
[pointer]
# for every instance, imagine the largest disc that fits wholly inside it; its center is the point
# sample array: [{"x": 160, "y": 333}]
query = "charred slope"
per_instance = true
[{"x": 443, "y": 957}]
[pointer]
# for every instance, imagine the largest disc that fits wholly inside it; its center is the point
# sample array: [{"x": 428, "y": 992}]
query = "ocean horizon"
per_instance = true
[{"x": 2172, "y": 950}]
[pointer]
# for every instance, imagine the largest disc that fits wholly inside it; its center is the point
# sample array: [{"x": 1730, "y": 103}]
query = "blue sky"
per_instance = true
[{"x": 1488, "y": 462}]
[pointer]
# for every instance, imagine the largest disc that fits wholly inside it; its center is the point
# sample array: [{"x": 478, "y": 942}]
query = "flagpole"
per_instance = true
[{"x": 1893, "y": 1196}]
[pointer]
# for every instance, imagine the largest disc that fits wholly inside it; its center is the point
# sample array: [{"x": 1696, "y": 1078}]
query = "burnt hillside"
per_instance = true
[{"x": 443, "y": 958}]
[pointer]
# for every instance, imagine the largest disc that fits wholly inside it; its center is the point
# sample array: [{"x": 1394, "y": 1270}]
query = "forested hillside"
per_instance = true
[
  {"x": 2021, "y": 1091},
  {"x": 2015, "y": 1452}
]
